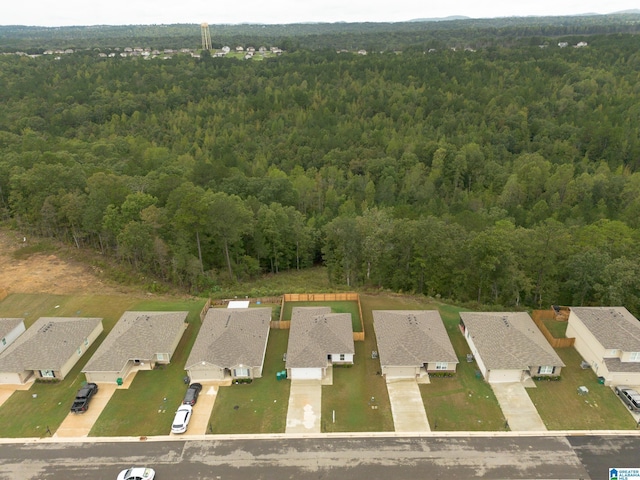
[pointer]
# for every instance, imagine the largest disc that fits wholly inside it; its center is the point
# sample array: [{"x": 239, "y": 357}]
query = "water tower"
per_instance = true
[{"x": 206, "y": 36}]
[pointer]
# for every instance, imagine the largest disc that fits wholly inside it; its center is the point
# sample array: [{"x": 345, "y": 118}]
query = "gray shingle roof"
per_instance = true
[
  {"x": 137, "y": 336},
  {"x": 230, "y": 337},
  {"x": 8, "y": 324},
  {"x": 613, "y": 327},
  {"x": 48, "y": 344},
  {"x": 412, "y": 338},
  {"x": 509, "y": 340},
  {"x": 315, "y": 333}
]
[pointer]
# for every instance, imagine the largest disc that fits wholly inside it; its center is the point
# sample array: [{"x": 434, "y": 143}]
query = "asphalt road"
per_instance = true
[{"x": 433, "y": 458}]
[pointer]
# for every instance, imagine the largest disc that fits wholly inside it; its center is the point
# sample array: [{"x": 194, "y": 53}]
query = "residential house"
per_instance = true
[
  {"x": 318, "y": 339},
  {"x": 139, "y": 341},
  {"x": 10, "y": 329},
  {"x": 232, "y": 343},
  {"x": 608, "y": 338},
  {"x": 412, "y": 343},
  {"x": 49, "y": 349},
  {"x": 508, "y": 346}
]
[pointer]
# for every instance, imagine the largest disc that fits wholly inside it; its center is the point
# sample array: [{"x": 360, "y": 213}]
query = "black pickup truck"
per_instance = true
[{"x": 81, "y": 403}]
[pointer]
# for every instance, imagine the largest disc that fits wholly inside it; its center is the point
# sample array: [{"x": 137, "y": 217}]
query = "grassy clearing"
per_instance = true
[
  {"x": 148, "y": 405},
  {"x": 42, "y": 247},
  {"x": 561, "y": 408},
  {"x": 260, "y": 406},
  {"x": 24, "y": 416},
  {"x": 292, "y": 281},
  {"x": 336, "y": 307}
]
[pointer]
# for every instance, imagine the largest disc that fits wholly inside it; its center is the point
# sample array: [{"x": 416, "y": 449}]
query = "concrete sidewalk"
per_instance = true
[
  {"x": 517, "y": 407},
  {"x": 305, "y": 407},
  {"x": 6, "y": 390},
  {"x": 407, "y": 407}
]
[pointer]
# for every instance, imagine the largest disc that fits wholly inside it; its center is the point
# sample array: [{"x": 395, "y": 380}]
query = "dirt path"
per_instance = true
[{"x": 44, "y": 273}]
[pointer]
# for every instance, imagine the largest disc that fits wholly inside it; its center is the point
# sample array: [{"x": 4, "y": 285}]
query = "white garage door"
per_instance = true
[
  {"x": 306, "y": 374},
  {"x": 501, "y": 376}
]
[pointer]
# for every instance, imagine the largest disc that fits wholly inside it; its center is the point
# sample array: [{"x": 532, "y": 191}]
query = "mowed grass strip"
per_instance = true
[
  {"x": 22, "y": 415},
  {"x": 561, "y": 408},
  {"x": 336, "y": 307},
  {"x": 259, "y": 406},
  {"x": 147, "y": 407}
]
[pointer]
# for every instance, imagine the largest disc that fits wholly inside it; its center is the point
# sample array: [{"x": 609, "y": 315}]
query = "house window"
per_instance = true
[
  {"x": 47, "y": 374},
  {"x": 342, "y": 357},
  {"x": 546, "y": 370},
  {"x": 634, "y": 356},
  {"x": 442, "y": 366}
]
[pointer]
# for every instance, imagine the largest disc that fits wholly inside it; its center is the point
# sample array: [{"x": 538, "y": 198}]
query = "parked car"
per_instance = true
[
  {"x": 629, "y": 396},
  {"x": 137, "y": 473},
  {"x": 81, "y": 402},
  {"x": 181, "y": 420},
  {"x": 191, "y": 397}
]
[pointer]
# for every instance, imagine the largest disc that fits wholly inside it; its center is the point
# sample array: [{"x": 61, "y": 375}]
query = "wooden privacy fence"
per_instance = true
[
  {"x": 321, "y": 297},
  {"x": 539, "y": 316},
  {"x": 203, "y": 312}
]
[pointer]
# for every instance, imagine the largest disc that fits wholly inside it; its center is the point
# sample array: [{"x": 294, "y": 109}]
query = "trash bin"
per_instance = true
[
  {"x": 119, "y": 381},
  {"x": 283, "y": 374},
  {"x": 278, "y": 376},
  {"x": 601, "y": 380}
]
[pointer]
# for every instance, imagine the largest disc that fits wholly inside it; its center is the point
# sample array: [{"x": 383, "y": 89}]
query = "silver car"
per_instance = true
[{"x": 629, "y": 396}]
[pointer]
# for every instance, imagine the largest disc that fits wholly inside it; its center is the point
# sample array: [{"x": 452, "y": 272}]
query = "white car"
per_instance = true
[
  {"x": 137, "y": 473},
  {"x": 181, "y": 420}
]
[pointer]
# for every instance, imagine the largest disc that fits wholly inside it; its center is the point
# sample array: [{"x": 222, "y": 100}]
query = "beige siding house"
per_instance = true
[
  {"x": 49, "y": 349},
  {"x": 412, "y": 343},
  {"x": 139, "y": 341},
  {"x": 232, "y": 343},
  {"x": 10, "y": 329},
  {"x": 508, "y": 346},
  {"x": 318, "y": 339},
  {"x": 608, "y": 338}
]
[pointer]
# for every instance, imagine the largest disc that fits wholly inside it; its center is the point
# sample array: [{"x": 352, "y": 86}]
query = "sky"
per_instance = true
[{"x": 56, "y": 13}]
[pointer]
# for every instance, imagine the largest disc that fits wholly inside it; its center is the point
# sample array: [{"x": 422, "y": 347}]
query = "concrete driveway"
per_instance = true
[
  {"x": 517, "y": 407},
  {"x": 80, "y": 424},
  {"x": 305, "y": 406},
  {"x": 199, "y": 423},
  {"x": 407, "y": 407}
]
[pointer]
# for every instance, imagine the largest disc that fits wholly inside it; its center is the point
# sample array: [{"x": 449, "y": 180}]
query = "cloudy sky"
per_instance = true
[{"x": 133, "y": 12}]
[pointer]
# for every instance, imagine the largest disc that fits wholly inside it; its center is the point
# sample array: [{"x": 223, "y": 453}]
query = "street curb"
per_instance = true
[{"x": 290, "y": 436}]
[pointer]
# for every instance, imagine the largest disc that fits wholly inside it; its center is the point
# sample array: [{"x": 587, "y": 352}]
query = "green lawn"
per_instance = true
[
  {"x": 148, "y": 405},
  {"x": 336, "y": 307},
  {"x": 561, "y": 408},
  {"x": 260, "y": 406},
  {"x": 556, "y": 328},
  {"x": 22, "y": 415}
]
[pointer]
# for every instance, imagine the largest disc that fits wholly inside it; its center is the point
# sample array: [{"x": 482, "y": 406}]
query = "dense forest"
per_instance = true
[
  {"x": 504, "y": 175},
  {"x": 419, "y": 34}
]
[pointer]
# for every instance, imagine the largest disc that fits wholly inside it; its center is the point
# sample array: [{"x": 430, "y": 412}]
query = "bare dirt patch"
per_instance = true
[{"x": 45, "y": 273}]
